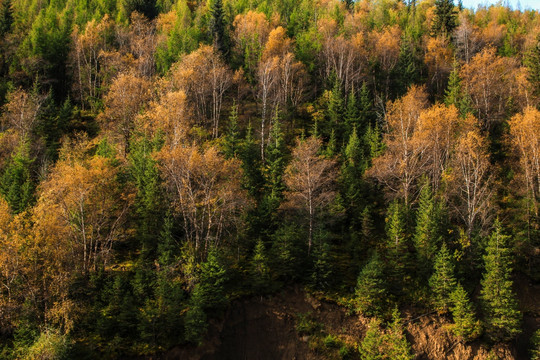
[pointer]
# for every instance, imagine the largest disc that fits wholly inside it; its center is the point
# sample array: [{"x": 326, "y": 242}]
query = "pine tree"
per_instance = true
[
  {"x": 210, "y": 291},
  {"x": 406, "y": 71},
  {"x": 373, "y": 143},
  {"x": 253, "y": 179},
  {"x": 426, "y": 238},
  {"x": 365, "y": 106},
  {"x": 232, "y": 140},
  {"x": 148, "y": 200},
  {"x": 397, "y": 246},
  {"x": 352, "y": 171},
  {"x": 535, "y": 345},
  {"x": 370, "y": 289},
  {"x": 455, "y": 94},
  {"x": 275, "y": 161},
  {"x": 372, "y": 346},
  {"x": 260, "y": 271},
  {"x": 445, "y": 18},
  {"x": 532, "y": 61},
  {"x": 443, "y": 281},
  {"x": 6, "y": 17},
  {"x": 16, "y": 184},
  {"x": 466, "y": 326},
  {"x": 217, "y": 26},
  {"x": 502, "y": 316},
  {"x": 398, "y": 346},
  {"x": 335, "y": 110},
  {"x": 322, "y": 267},
  {"x": 352, "y": 114}
]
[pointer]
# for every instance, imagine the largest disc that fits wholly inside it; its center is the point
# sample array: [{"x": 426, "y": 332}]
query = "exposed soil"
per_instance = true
[{"x": 265, "y": 328}]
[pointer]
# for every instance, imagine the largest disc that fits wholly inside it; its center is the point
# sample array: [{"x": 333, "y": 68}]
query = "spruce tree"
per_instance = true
[
  {"x": 322, "y": 267},
  {"x": 397, "y": 251},
  {"x": 260, "y": 272},
  {"x": 232, "y": 140},
  {"x": 253, "y": 179},
  {"x": 372, "y": 346},
  {"x": 370, "y": 289},
  {"x": 218, "y": 26},
  {"x": 365, "y": 106},
  {"x": 335, "y": 111},
  {"x": 502, "y": 316},
  {"x": 405, "y": 72},
  {"x": 532, "y": 61},
  {"x": 445, "y": 18},
  {"x": 426, "y": 237},
  {"x": 275, "y": 161},
  {"x": 352, "y": 114},
  {"x": 210, "y": 291},
  {"x": 443, "y": 281},
  {"x": 6, "y": 17},
  {"x": 16, "y": 184},
  {"x": 455, "y": 94},
  {"x": 398, "y": 346},
  {"x": 352, "y": 171},
  {"x": 466, "y": 326}
]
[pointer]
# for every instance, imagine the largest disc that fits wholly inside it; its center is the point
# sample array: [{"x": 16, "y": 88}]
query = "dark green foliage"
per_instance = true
[
  {"x": 218, "y": 26},
  {"x": 209, "y": 293},
  {"x": 287, "y": 254},
  {"x": 443, "y": 281},
  {"x": 370, "y": 289},
  {"x": 275, "y": 162},
  {"x": 352, "y": 114},
  {"x": 406, "y": 72},
  {"x": 351, "y": 179},
  {"x": 532, "y": 61},
  {"x": 16, "y": 183},
  {"x": 146, "y": 7},
  {"x": 6, "y": 17},
  {"x": 335, "y": 113},
  {"x": 260, "y": 271},
  {"x": 466, "y": 326},
  {"x": 253, "y": 179},
  {"x": 397, "y": 247},
  {"x": 232, "y": 141},
  {"x": 149, "y": 200},
  {"x": 195, "y": 324},
  {"x": 321, "y": 276},
  {"x": 427, "y": 235},
  {"x": 445, "y": 18},
  {"x": 501, "y": 315}
]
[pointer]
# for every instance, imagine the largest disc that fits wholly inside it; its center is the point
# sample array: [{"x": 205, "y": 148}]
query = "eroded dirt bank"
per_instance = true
[{"x": 266, "y": 328}]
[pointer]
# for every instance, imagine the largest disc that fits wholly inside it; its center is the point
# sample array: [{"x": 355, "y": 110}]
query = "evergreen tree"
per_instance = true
[
  {"x": 331, "y": 147},
  {"x": 146, "y": 7},
  {"x": 532, "y": 61},
  {"x": 443, "y": 281},
  {"x": 352, "y": 114},
  {"x": 370, "y": 291},
  {"x": 455, "y": 94},
  {"x": 322, "y": 267},
  {"x": 352, "y": 171},
  {"x": 398, "y": 346},
  {"x": 232, "y": 140},
  {"x": 148, "y": 200},
  {"x": 426, "y": 237},
  {"x": 406, "y": 72},
  {"x": 16, "y": 184},
  {"x": 502, "y": 316},
  {"x": 253, "y": 179},
  {"x": 260, "y": 272},
  {"x": 275, "y": 161},
  {"x": 6, "y": 17},
  {"x": 368, "y": 227},
  {"x": 445, "y": 18},
  {"x": 209, "y": 293},
  {"x": 372, "y": 346},
  {"x": 335, "y": 111},
  {"x": 466, "y": 326},
  {"x": 373, "y": 143},
  {"x": 535, "y": 345},
  {"x": 218, "y": 26},
  {"x": 397, "y": 246},
  {"x": 365, "y": 106}
]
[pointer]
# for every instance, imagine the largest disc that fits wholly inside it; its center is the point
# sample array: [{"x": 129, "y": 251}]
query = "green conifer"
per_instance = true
[
  {"x": 502, "y": 316},
  {"x": 443, "y": 281},
  {"x": 398, "y": 346},
  {"x": 370, "y": 289},
  {"x": 466, "y": 326},
  {"x": 372, "y": 346}
]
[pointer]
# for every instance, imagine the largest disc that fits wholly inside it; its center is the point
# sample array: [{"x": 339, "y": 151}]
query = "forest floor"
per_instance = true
[{"x": 292, "y": 324}]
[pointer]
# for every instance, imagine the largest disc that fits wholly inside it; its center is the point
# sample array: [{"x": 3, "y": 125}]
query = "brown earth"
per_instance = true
[{"x": 265, "y": 328}]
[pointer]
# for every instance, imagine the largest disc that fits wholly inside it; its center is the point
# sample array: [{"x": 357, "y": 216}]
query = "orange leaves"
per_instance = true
[
  {"x": 491, "y": 81},
  {"x": 278, "y": 44},
  {"x": 386, "y": 44},
  {"x": 127, "y": 96},
  {"x": 21, "y": 111},
  {"x": 525, "y": 140},
  {"x": 205, "y": 78},
  {"x": 206, "y": 191}
]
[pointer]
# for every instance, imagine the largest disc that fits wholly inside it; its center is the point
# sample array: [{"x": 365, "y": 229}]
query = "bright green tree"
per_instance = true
[
  {"x": 443, "y": 281},
  {"x": 426, "y": 236},
  {"x": 502, "y": 316},
  {"x": 232, "y": 141},
  {"x": 371, "y": 347},
  {"x": 456, "y": 94},
  {"x": 398, "y": 346},
  {"x": 16, "y": 184},
  {"x": 466, "y": 326},
  {"x": 260, "y": 271},
  {"x": 397, "y": 251}
]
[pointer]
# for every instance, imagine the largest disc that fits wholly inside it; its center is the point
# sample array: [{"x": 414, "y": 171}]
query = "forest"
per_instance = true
[{"x": 160, "y": 160}]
